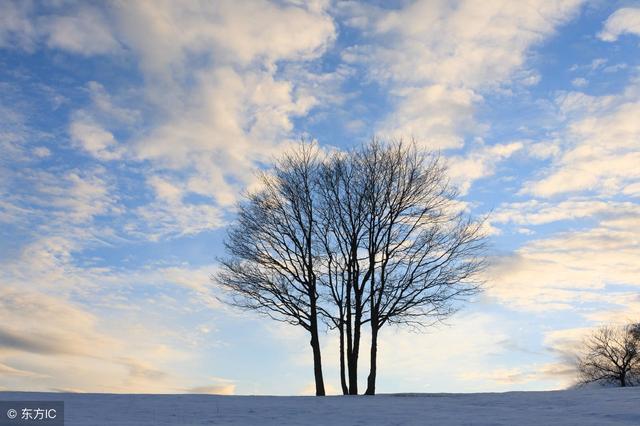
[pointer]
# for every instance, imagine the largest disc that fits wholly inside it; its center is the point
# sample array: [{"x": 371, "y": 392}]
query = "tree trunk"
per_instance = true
[
  {"x": 623, "y": 380},
  {"x": 371, "y": 380},
  {"x": 353, "y": 370},
  {"x": 343, "y": 378},
  {"x": 349, "y": 330},
  {"x": 373, "y": 363},
  {"x": 315, "y": 346},
  {"x": 317, "y": 363}
]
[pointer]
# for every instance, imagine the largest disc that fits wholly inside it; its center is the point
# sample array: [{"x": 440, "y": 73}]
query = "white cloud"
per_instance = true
[
  {"x": 165, "y": 33},
  {"x": 84, "y": 30},
  {"x": 579, "y": 82},
  {"x": 238, "y": 112},
  {"x": 554, "y": 371},
  {"x": 94, "y": 139},
  {"x": 165, "y": 190},
  {"x": 88, "y": 127},
  {"x": 16, "y": 28},
  {"x": 485, "y": 43},
  {"x": 622, "y": 21},
  {"x": 79, "y": 28},
  {"x": 105, "y": 108},
  {"x": 78, "y": 197},
  {"x": 436, "y": 80},
  {"x": 599, "y": 150},
  {"x": 41, "y": 152},
  {"x": 597, "y": 63},
  {"x": 632, "y": 190},
  {"x": 625, "y": 311},
  {"x": 214, "y": 86},
  {"x": 215, "y": 96},
  {"x": 231, "y": 121},
  {"x": 435, "y": 115},
  {"x": 615, "y": 68},
  {"x": 535, "y": 212},
  {"x": 569, "y": 268},
  {"x": 219, "y": 96},
  {"x": 169, "y": 215},
  {"x": 478, "y": 163},
  {"x": 19, "y": 140},
  {"x": 543, "y": 150}
]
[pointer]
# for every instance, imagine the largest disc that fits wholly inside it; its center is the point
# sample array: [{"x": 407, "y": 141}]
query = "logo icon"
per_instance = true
[{"x": 12, "y": 414}]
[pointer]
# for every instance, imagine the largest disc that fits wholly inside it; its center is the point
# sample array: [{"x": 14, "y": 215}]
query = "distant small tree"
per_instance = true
[
  {"x": 612, "y": 355},
  {"x": 634, "y": 329}
]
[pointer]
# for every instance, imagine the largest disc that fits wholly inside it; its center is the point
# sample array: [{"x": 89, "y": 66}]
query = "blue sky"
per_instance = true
[{"x": 130, "y": 129}]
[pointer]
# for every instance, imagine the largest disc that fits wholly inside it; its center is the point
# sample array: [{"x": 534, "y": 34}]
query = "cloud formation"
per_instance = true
[
  {"x": 622, "y": 21},
  {"x": 439, "y": 57},
  {"x": 599, "y": 146}
]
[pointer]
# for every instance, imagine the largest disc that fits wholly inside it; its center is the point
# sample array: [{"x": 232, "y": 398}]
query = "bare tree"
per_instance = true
[
  {"x": 371, "y": 235},
  {"x": 423, "y": 253},
  {"x": 611, "y": 355},
  {"x": 272, "y": 261},
  {"x": 634, "y": 329}
]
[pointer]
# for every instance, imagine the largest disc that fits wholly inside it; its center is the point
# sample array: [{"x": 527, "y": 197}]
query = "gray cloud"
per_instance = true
[{"x": 40, "y": 344}]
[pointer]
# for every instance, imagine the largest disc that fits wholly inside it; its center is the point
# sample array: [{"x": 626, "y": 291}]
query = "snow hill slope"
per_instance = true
[{"x": 598, "y": 407}]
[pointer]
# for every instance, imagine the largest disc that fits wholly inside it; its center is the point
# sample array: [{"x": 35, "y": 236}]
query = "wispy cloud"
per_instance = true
[
  {"x": 438, "y": 58},
  {"x": 599, "y": 148}
]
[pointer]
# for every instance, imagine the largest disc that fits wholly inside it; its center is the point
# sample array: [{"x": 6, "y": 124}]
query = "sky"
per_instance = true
[{"x": 129, "y": 130}]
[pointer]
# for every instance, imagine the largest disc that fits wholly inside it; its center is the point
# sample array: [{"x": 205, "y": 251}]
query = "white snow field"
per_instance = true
[{"x": 598, "y": 407}]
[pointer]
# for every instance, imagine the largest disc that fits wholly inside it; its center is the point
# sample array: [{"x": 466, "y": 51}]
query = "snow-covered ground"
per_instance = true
[{"x": 596, "y": 407}]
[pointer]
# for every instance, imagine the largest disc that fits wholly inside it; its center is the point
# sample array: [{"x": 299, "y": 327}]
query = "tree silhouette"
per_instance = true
[
  {"x": 611, "y": 355},
  {"x": 371, "y": 235}
]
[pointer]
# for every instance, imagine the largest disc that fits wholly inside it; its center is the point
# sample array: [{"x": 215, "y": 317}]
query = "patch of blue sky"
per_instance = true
[{"x": 201, "y": 249}]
